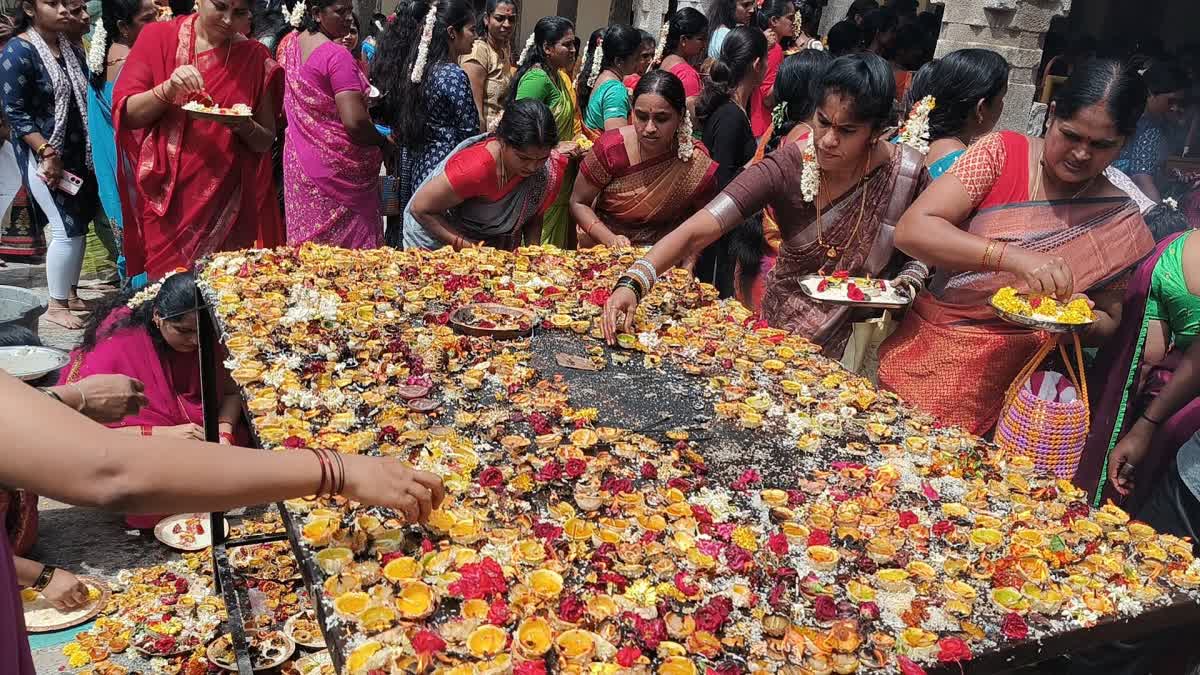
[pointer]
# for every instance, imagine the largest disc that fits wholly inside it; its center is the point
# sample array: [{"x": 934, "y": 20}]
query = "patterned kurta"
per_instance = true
[{"x": 28, "y": 98}]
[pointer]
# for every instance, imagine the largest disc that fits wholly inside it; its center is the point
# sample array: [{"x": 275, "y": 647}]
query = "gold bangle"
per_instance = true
[{"x": 987, "y": 254}]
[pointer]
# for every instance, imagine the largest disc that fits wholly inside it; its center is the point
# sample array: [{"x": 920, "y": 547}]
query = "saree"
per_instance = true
[
  {"x": 171, "y": 379},
  {"x": 499, "y": 223},
  {"x": 198, "y": 190},
  {"x": 1123, "y": 385},
  {"x": 15, "y": 657},
  {"x": 330, "y": 182},
  {"x": 558, "y": 95},
  {"x": 646, "y": 201}
]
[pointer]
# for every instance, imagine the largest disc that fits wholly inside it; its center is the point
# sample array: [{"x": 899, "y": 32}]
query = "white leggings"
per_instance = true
[{"x": 64, "y": 255}]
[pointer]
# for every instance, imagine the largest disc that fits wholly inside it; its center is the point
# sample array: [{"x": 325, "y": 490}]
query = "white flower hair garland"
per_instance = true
[
  {"x": 810, "y": 175},
  {"x": 1170, "y": 203},
  {"x": 149, "y": 292},
  {"x": 662, "y": 43},
  {"x": 687, "y": 144},
  {"x": 597, "y": 58},
  {"x": 529, "y": 45},
  {"x": 418, "y": 71},
  {"x": 97, "y": 52},
  {"x": 915, "y": 133},
  {"x": 297, "y": 16}
]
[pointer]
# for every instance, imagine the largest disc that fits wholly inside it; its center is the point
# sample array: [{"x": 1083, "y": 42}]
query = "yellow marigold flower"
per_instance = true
[
  {"x": 522, "y": 483},
  {"x": 667, "y": 589},
  {"x": 79, "y": 659},
  {"x": 642, "y": 593},
  {"x": 745, "y": 539}
]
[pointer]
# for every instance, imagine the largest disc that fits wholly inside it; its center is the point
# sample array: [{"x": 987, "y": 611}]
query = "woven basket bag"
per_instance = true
[
  {"x": 389, "y": 195},
  {"x": 1052, "y": 433}
]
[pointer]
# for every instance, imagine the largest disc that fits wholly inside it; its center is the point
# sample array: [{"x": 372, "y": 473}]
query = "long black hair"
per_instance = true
[
  {"x": 547, "y": 31},
  {"x": 175, "y": 299},
  {"x": 721, "y": 14},
  {"x": 403, "y": 104},
  {"x": 112, "y": 13},
  {"x": 773, "y": 9},
  {"x": 666, "y": 84},
  {"x": 742, "y": 47},
  {"x": 617, "y": 43},
  {"x": 794, "y": 85},
  {"x": 488, "y": 10},
  {"x": 867, "y": 81},
  {"x": 687, "y": 22},
  {"x": 957, "y": 82},
  {"x": 527, "y": 123},
  {"x": 1117, "y": 85}
]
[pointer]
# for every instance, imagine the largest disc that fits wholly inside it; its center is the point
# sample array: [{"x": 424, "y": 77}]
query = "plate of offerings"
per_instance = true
[
  {"x": 840, "y": 288},
  {"x": 201, "y": 106},
  {"x": 1042, "y": 312},
  {"x": 43, "y": 617},
  {"x": 31, "y": 363},
  {"x": 493, "y": 320},
  {"x": 186, "y": 531},
  {"x": 268, "y": 649},
  {"x": 304, "y": 630}
]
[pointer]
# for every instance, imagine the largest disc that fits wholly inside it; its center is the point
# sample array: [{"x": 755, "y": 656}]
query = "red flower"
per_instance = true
[
  {"x": 426, "y": 545},
  {"x": 181, "y": 585},
  {"x": 652, "y": 631},
  {"x": 479, "y": 580},
  {"x": 649, "y": 471},
  {"x": 598, "y": 297},
  {"x": 687, "y": 588},
  {"x": 1014, "y": 627},
  {"x": 869, "y": 611},
  {"x": 748, "y": 478},
  {"x": 575, "y": 468},
  {"x": 427, "y": 642},
  {"x": 942, "y": 528},
  {"x": 855, "y": 293},
  {"x": 571, "y": 608},
  {"x": 822, "y": 285},
  {"x": 930, "y": 493},
  {"x": 778, "y": 543},
  {"x": 548, "y": 532},
  {"x": 713, "y": 615},
  {"x": 627, "y": 656},
  {"x": 498, "y": 613},
  {"x": 551, "y": 470},
  {"x": 530, "y": 668},
  {"x": 1035, "y": 302},
  {"x": 795, "y": 498},
  {"x": 818, "y": 538},
  {"x": 738, "y": 558},
  {"x": 701, "y": 515},
  {"x": 953, "y": 650},
  {"x": 908, "y": 519},
  {"x": 681, "y": 484},
  {"x": 726, "y": 668},
  {"x": 491, "y": 477},
  {"x": 293, "y": 442},
  {"x": 841, "y": 274},
  {"x": 909, "y": 667},
  {"x": 824, "y": 608},
  {"x": 617, "y": 485}
]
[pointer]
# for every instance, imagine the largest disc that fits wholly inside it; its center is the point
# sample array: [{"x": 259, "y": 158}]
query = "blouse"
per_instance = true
[
  {"x": 689, "y": 77},
  {"x": 1146, "y": 152},
  {"x": 499, "y": 73},
  {"x": 609, "y": 100},
  {"x": 760, "y": 115},
  {"x": 471, "y": 172}
]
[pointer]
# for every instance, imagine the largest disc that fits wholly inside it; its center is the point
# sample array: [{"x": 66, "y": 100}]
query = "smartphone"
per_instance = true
[{"x": 70, "y": 183}]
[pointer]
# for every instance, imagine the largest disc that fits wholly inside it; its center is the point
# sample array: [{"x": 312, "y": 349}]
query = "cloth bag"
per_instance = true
[
  {"x": 389, "y": 195},
  {"x": 1046, "y": 414},
  {"x": 862, "y": 349}
]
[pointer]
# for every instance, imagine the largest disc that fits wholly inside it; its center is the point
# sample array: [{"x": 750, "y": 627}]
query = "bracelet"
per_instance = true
[
  {"x": 987, "y": 254},
  {"x": 1150, "y": 420},
  {"x": 341, "y": 474},
  {"x": 647, "y": 267},
  {"x": 82, "y": 398},
  {"x": 628, "y": 282},
  {"x": 227, "y": 436},
  {"x": 157, "y": 95},
  {"x": 147, "y": 430},
  {"x": 41, "y": 149},
  {"x": 44, "y": 578},
  {"x": 640, "y": 276},
  {"x": 587, "y": 227},
  {"x": 1000, "y": 260},
  {"x": 52, "y": 394},
  {"x": 320, "y": 487}
]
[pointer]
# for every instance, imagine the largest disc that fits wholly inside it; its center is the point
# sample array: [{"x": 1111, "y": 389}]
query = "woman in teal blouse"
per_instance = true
[{"x": 602, "y": 92}]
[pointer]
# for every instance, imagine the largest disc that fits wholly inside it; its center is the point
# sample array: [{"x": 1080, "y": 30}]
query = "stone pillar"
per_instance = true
[
  {"x": 648, "y": 15},
  {"x": 1013, "y": 28},
  {"x": 834, "y": 12}
]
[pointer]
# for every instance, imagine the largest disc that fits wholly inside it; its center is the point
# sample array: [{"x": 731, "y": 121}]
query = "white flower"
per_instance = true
[
  {"x": 1170, "y": 203},
  {"x": 298, "y": 11},
  {"x": 687, "y": 145},
  {"x": 529, "y": 45},
  {"x": 662, "y": 42},
  {"x": 418, "y": 70},
  {"x": 96, "y": 54},
  {"x": 597, "y": 58},
  {"x": 915, "y": 133},
  {"x": 810, "y": 175}
]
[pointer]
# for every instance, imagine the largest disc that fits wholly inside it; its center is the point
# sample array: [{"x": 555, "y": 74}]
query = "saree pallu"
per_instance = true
[
  {"x": 951, "y": 356},
  {"x": 646, "y": 201},
  {"x": 21, "y": 233},
  {"x": 1117, "y": 398},
  {"x": 861, "y": 223},
  {"x": 331, "y": 184},
  {"x": 499, "y": 223},
  {"x": 198, "y": 188},
  {"x": 19, "y": 516}
]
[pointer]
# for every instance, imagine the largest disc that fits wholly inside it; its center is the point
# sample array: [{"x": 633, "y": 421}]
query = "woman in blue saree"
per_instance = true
[{"x": 120, "y": 23}]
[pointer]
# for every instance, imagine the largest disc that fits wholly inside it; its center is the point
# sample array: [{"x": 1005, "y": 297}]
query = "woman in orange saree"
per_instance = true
[
  {"x": 641, "y": 181},
  {"x": 1036, "y": 214},
  {"x": 199, "y": 186}
]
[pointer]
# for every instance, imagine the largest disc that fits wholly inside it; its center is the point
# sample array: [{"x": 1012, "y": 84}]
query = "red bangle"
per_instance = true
[
  {"x": 147, "y": 430},
  {"x": 227, "y": 436},
  {"x": 324, "y": 474}
]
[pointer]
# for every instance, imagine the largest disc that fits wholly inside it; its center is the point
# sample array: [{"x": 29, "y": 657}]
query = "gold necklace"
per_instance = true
[
  {"x": 832, "y": 252},
  {"x": 1037, "y": 183}
]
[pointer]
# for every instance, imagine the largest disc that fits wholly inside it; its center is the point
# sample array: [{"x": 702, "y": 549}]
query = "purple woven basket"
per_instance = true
[{"x": 1049, "y": 432}]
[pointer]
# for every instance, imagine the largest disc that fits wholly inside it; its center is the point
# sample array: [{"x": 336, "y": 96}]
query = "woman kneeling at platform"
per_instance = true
[
  {"x": 151, "y": 336},
  {"x": 492, "y": 189}
]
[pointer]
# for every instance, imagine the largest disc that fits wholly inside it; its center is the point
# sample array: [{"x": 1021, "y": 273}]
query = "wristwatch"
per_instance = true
[{"x": 44, "y": 578}]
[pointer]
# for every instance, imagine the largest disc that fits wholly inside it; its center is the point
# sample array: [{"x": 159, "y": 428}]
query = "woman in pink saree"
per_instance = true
[
  {"x": 152, "y": 337},
  {"x": 331, "y": 151}
]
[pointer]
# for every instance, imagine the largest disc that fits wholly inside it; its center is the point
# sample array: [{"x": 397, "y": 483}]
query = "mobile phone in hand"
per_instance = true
[{"x": 70, "y": 183}]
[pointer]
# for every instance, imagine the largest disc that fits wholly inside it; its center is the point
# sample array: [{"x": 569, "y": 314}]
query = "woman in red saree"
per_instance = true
[
  {"x": 152, "y": 337},
  {"x": 1036, "y": 214},
  {"x": 201, "y": 186},
  {"x": 641, "y": 181}
]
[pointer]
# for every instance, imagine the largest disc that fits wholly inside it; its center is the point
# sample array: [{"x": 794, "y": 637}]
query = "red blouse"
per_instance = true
[{"x": 472, "y": 174}]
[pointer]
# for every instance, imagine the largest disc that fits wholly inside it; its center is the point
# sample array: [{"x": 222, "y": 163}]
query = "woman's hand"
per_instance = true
[
  {"x": 388, "y": 482},
  {"x": 193, "y": 432},
  {"x": 111, "y": 398},
  {"x": 1128, "y": 455},
  {"x": 619, "y": 241},
  {"x": 570, "y": 149},
  {"x": 65, "y": 591},
  {"x": 185, "y": 80},
  {"x": 51, "y": 169},
  {"x": 1044, "y": 274},
  {"x": 618, "y": 313}
]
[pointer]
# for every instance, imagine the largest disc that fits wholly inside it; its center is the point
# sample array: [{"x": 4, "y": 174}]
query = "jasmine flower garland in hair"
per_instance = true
[
  {"x": 779, "y": 115},
  {"x": 418, "y": 71},
  {"x": 297, "y": 16},
  {"x": 687, "y": 145},
  {"x": 96, "y": 54},
  {"x": 662, "y": 43},
  {"x": 597, "y": 58},
  {"x": 529, "y": 45},
  {"x": 810, "y": 175},
  {"x": 915, "y": 133}
]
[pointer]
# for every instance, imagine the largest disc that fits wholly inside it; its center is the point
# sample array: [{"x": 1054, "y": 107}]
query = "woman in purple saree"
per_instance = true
[
  {"x": 152, "y": 337},
  {"x": 331, "y": 155}
]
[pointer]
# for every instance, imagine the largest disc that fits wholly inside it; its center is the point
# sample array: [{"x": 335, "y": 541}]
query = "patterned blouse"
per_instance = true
[
  {"x": 28, "y": 97},
  {"x": 1146, "y": 152}
]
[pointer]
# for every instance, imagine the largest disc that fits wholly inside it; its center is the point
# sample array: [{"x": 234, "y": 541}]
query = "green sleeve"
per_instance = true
[
  {"x": 535, "y": 84},
  {"x": 615, "y": 102}
]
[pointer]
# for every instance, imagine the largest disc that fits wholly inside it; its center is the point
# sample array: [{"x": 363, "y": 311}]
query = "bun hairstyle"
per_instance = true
[
  {"x": 865, "y": 79},
  {"x": 794, "y": 84},
  {"x": 547, "y": 31},
  {"x": 527, "y": 123},
  {"x": 617, "y": 43},
  {"x": 1112, "y": 83},
  {"x": 687, "y": 22},
  {"x": 403, "y": 57},
  {"x": 112, "y": 14},
  {"x": 957, "y": 81},
  {"x": 742, "y": 47}
]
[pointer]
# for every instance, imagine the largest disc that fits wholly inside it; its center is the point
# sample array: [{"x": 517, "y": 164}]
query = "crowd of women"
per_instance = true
[{"x": 735, "y": 143}]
